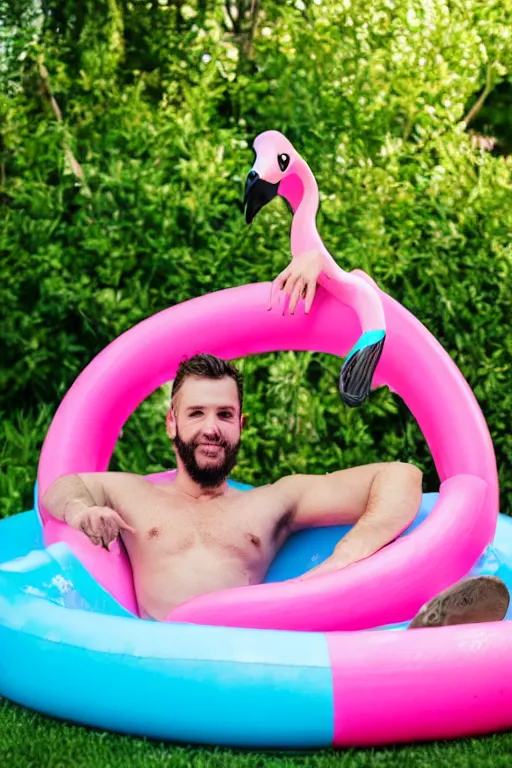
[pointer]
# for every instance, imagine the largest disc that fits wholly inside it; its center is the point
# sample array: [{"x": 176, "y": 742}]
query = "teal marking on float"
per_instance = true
[{"x": 368, "y": 339}]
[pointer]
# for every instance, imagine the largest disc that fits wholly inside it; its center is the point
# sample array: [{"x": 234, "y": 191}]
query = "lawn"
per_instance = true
[{"x": 30, "y": 740}]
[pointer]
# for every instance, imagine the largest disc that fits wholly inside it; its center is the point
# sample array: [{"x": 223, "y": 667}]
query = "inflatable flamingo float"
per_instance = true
[
  {"x": 287, "y": 663},
  {"x": 280, "y": 170}
]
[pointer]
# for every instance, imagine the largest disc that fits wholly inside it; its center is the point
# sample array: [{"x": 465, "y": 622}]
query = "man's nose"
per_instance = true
[{"x": 211, "y": 426}]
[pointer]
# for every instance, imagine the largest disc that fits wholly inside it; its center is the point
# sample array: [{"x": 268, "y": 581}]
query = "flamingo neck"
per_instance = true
[{"x": 301, "y": 191}]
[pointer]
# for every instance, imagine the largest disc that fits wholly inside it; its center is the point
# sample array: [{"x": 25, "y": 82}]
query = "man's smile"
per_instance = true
[{"x": 210, "y": 449}]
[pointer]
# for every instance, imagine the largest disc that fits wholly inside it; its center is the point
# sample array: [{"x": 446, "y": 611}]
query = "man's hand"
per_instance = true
[
  {"x": 299, "y": 280},
  {"x": 101, "y": 524}
]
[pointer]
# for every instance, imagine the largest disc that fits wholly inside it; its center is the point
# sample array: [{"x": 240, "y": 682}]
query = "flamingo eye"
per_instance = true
[{"x": 284, "y": 161}]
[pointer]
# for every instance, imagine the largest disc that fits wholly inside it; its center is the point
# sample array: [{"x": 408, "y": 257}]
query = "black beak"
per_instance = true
[{"x": 257, "y": 194}]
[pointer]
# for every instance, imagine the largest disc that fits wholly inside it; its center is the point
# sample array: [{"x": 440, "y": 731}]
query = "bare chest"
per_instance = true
[{"x": 247, "y": 528}]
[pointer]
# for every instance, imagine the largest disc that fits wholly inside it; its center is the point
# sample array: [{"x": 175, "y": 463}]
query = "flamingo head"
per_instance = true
[{"x": 277, "y": 170}]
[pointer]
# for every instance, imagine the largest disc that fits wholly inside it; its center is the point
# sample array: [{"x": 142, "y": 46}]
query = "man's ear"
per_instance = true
[
  {"x": 170, "y": 424},
  {"x": 243, "y": 420}
]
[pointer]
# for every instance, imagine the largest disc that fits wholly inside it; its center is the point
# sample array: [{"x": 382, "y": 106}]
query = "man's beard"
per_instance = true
[{"x": 209, "y": 476}]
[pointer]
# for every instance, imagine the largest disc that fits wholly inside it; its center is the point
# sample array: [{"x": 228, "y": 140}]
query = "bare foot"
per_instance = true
[{"x": 475, "y": 600}]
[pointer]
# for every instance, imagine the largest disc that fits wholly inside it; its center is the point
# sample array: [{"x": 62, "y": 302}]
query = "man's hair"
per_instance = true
[{"x": 209, "y": 367}]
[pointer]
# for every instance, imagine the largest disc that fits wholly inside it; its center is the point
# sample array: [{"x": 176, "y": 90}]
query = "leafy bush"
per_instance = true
[{"x": 130, "y": 202}]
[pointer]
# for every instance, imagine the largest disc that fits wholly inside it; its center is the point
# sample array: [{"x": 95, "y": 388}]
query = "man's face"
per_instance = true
[{"x": 205, "y": 428}]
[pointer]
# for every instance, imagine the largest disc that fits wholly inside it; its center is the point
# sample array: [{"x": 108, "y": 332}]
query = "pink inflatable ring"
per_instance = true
[{"x": 387, "y": 686}]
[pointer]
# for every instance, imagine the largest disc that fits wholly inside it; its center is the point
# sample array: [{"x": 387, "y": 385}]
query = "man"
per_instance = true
[{"x": 197, "y": 534}]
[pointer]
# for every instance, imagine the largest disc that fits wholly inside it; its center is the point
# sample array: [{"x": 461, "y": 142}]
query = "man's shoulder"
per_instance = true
[
  {"x": 256, "y": 489},
  {"x": 114, "y": 479},
  {"x": 110, "y": 474},
  {"x": 272, "y": 498}
]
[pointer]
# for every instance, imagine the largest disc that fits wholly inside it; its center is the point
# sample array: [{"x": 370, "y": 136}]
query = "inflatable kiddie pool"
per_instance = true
[{"x": 285, "y": 663}]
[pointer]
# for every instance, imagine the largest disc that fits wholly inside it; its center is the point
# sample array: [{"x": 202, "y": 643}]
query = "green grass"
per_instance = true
[{"x": 30, "y": 740}]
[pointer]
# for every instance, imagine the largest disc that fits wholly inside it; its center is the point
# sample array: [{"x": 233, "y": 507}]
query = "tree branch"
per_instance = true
[
  {"x": 75, "y": 166},
  {"x": 477, "y": 106},
  {"x": 254, "y": 16},
  {"x": 229, "y": 12}
]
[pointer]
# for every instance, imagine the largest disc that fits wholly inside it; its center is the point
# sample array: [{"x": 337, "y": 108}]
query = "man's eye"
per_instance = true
[
  {"x": 196, "y": 413},
  {"x": 225, "y": 415}
]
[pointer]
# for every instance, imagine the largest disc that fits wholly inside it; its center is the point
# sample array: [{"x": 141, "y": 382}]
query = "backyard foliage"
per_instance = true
[{"x": 125, "y": 134}]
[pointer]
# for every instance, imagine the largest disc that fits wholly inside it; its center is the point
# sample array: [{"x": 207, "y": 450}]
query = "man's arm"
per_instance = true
[
  {"x": 71, "y": 490},
  {"x": 379, "y": 500},
  {"x": 82, "y": 501}
]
